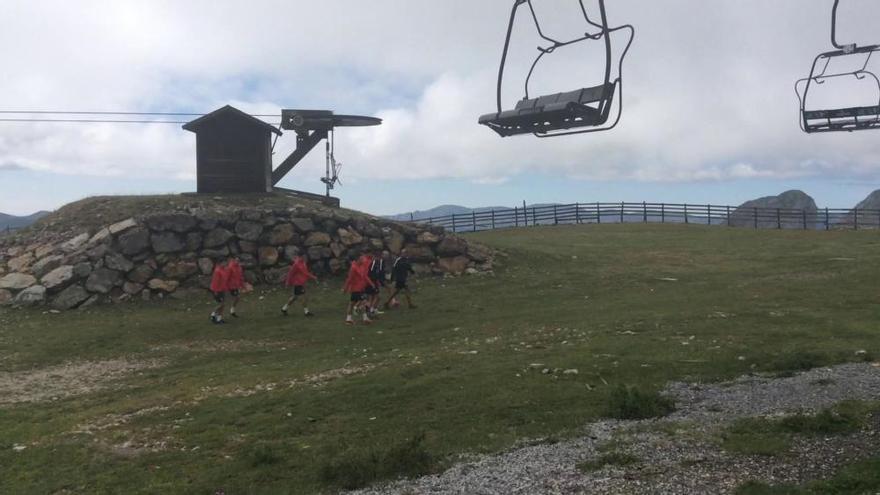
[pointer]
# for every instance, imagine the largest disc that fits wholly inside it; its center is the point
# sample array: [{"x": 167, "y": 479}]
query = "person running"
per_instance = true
[
  {"x": 400, "y": 271},
  {"x": 219, "y": 286},
  {"x": 377, "y": 275},
  {"x": 236, "y": 283},
  {"x": 355, "y": 284},
  {"x": 297, "y": 276}
]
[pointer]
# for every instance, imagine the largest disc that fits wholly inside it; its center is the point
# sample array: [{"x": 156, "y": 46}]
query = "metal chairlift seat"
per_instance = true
[
  {"x": 579, "y": 108},
  {"x": 842, "y": 119}
]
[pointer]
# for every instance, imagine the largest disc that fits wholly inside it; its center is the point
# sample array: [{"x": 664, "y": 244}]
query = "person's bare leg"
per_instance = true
[
  {"x": 409, "y": 303},
  {"x": 235, "y": 301},
  {"x": 391, "y": 297},
  {"x": 290, "y": 301},
  {"x": 348, "y": 318},
  {"x": 305, "y": 303}
]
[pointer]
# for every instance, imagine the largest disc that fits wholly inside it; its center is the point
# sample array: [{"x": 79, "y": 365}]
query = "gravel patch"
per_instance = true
[{"x": 677, "y": 454}]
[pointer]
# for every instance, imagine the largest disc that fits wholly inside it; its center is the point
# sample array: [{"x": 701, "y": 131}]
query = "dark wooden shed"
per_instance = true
[{"x": 233, "y": 152}]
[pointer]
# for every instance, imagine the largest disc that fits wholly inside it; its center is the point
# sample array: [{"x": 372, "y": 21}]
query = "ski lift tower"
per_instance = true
[{"x": 312, "y": 127}]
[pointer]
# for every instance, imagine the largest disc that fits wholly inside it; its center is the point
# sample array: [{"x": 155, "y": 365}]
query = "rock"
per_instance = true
[
  {"x": 217, "y": 237},
  {"x": 452, "y": 246},
  {"x": 166, "y": 242},
  {"x": 44, "y": 251},
  {"x": 102, "y": 280},
  {"x": 163, "y": 285},
  {"x": 46, "y": 265},
  {"x": 17, "y": 281},
  {"x": 570, "y": 372},
  {"x": 456, "y": 265},
  {"x": 319, "y": 252},
  {"x": 303, "y": 225},
  {"x": 32, "y": 295},
  {"x": 427, "y": 238},
  {"x": 20, "y": 263},
  {"x": 479, "y": 252},
  {"x": 132, "y": 288},
  {"x": 82, "y": 270},
  {"x": 268, "y": 256},
  {"x": 349, "y": 237},
  {"x": 193, "y": 241},
  {"x": 145, "y": 295},
  {"x": 393, "y": 240},
  {"x": 134, "y": 241},
  {"x": 120, "y": 227},
  {"x": 247, "y": 247},
  {"x": 249, "y": 231},
  {"x": 141, "y": 274},
  {"x": 175, "y": 222},
  {"x": 75, "y": 243},
  {"x": 58, "y": 278},
  {"x": 101, "y": 236},
  {"x": 98, "y": 252},
  {"x": 247, "y": 260},
  {"x": 317, "y": 239},
  {"x": 376, "y": 244},
  {"x": 335, "y": 265},
  {"x": 206, "y": 266},
  {"x": 251, "y": 215},
  {"x": 216, "y": 254},
  {"x": 291, "y": 252},
  {"x": 180, "y": 270},
  {"x": 420, "y": 253},
  {"x": 744, "y": 215},
  {"x": 116, "y": 261},
  {"x": 5, "y": 297},
  {"x": 282, "y": 234},
  {"x": 337, "y": 249}
]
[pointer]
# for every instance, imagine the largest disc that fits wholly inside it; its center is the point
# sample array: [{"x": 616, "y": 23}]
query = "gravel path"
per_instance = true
[{"x": 677, "y": 455}]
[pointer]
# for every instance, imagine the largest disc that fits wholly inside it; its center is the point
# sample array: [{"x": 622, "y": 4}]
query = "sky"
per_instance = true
[{"x": 709, "y": 114}]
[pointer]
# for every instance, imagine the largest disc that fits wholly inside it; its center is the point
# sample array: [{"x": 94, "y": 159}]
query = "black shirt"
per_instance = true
[{"x": 401, "y": 270}]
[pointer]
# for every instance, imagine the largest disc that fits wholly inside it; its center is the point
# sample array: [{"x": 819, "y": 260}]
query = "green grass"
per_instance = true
[
  {"x": 456, "y": 370},
  {"x": 609, "y": 459},
  {"x": 769, "y": 437},
  {"x": 626, "y": 402}
]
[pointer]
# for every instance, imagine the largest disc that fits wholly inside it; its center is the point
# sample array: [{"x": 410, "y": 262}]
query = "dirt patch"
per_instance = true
[
  {"x": 66, "y": 380},
  {"x": 315, "y": 380},
  {"x": 225, "y": 346}
]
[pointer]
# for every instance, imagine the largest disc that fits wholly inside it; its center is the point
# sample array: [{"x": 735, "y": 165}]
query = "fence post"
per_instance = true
[
  {"x": 662, "y": 212},
  {"x": 778, "y": 220},
  {"x": 598, "y": 213},
  {"x": 756, "y": 217},
  {"x": 622, "y": 205},
  {"x": 410, "y": 216},
  {"x": 555, "y": 218},
  {"x": 709, "y": 214},
  {"x": 515, "y": 217},
  {"x": 534, "y": 217},
  {"x": 577, "y": 213},
  {"x": 474, "y": 220},
  {"x": 645, "y": 212},
  {"x": 805, "y": 218},
  {"x": 827, "y": 220},
  {"x": 493, "y": 218},
  {"x": 728, "y": 215},
  {"x": 856, "y": 217},
  {"x": 685, "y": 213},
  {"x": 453, "y": 223}
]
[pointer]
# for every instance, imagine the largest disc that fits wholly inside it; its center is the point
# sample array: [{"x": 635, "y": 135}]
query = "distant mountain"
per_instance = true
[
  {"x": 441, "y": 211},
  {"x": 744, "y": 215},
  {"x": 14, "y": 222},
  {"x": 872, "y": 202}
]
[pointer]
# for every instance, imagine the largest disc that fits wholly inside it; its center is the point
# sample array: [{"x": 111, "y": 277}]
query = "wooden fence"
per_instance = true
[{"x": 705, "y": 214}]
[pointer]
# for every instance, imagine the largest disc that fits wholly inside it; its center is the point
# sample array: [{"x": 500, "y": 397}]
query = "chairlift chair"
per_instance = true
[
  {"x": 586, "y": 109},
  {"x": 847, "y": 119}
]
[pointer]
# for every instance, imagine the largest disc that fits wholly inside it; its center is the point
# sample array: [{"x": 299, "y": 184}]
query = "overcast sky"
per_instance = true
[{"x": 710, "y": 113}]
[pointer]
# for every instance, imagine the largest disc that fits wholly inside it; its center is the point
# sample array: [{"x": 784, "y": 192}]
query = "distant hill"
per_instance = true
[
  {"x": 872, "y": 202},
  {"x": 14, "y": 222},
  {"x": 744, "y": 215},
  {"x": 445, "y": 210}
]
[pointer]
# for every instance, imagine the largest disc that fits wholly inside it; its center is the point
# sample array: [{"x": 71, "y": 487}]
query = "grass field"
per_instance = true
[{"x": 152, "y": 398}]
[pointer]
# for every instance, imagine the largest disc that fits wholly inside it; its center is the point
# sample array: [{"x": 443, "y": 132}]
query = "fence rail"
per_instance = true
[{"x": 702, "y": 214}]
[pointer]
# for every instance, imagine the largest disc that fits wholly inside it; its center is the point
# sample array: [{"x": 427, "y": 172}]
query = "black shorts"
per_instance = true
[
  {"x": 299, "y": 290},
  {"x": 400, "y": 285},
  {"x": 357, "y": 296},
  {"x": 234, "y": 292},
  {"x": 219, "y": 296},
  {"x": 371, "y": 291}
]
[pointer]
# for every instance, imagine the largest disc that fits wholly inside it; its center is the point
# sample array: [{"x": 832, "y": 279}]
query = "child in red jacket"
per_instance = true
[
  {"x": 356, "y": 283},
  {"x": 297, "y": 276},
  {"x": 219, "y": 286},
  {"x": 236, "y": 283}
]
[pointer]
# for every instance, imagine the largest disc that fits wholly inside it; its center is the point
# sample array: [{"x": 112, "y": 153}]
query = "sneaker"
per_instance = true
[
  {"x": 310, "y": 314},
  {"x": 349, "y": 322},
  {"x": 377, "y": 312},
  {"x": 367, "y": 321},
  {"x": 284, "y": 311},
  {"x": 234, "y": 315}
]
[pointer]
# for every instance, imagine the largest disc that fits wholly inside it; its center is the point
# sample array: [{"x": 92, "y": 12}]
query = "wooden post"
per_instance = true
[
  {"x": 410, "y": 216},
  {"x": 534, "y": 217},
  {"x": 453, "y": 223},
  {"x": 645, "y": 211},
  {"x": 709, "y": 214},
  {"x": 728, "y": 215},
  {"x": 662, "y": 212},
  {"x": 778, "y": 220},
  {"x": 856, "y": 218},
  {"x": 827, "y": 220},
  {"x": 577, "y": 213},
  {"x": 598, "y": 213},
  {"x": 493, "y": 218},
  {"x": 685, "y": 213},
  {"x": 621, "y": 211},
  {"x": 756, "y": 217},
  {"x": 474, "y": 219},
  {"x": 515, "y": 216},
  {"x": 555, "y": 218},
  {"x": 805, "y": 218}
]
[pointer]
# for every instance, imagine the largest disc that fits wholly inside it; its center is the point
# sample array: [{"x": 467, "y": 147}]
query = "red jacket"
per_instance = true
[
  {"x": 358, "y": 278},
  {"x": 236, "y": 276},
  {"x": 220, "y": 279},
  {"x": 298, "y": 274}
]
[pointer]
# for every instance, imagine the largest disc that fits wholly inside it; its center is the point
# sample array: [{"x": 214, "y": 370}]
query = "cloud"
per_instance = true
[
  {"x": 10, "y": 166},
  {"x": 708, "y": 86}
]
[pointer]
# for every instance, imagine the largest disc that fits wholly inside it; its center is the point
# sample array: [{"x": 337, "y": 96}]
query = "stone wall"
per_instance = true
[{"x": 167, "y": 253}]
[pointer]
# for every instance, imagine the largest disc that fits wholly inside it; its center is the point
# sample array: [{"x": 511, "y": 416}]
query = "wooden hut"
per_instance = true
[{"x": 233, "y": 152}]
